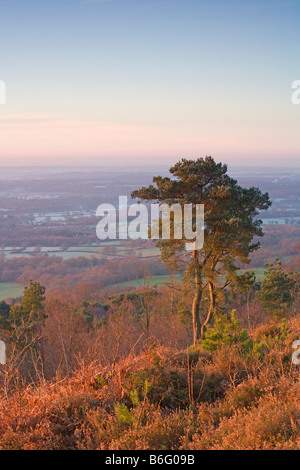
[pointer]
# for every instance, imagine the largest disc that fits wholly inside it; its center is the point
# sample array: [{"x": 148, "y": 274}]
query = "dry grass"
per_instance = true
[{"x": 163, "y": 399}]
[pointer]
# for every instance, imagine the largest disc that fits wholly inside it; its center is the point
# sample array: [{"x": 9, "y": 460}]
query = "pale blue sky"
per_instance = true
[{"x": 150, "y": 80}]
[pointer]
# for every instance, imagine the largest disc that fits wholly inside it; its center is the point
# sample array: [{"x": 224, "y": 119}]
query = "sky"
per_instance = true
[{"x": 139, "y": 82}]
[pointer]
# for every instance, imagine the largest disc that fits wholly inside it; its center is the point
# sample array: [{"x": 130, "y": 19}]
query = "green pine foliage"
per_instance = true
[
  {"x": 276, "y": 290},
  {"x": 226, "y": 330}
]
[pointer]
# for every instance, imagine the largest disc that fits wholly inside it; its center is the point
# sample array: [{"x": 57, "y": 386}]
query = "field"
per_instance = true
[
  {"x": 151, "y": 281},
  {"x": 106, "y": 249},
  {"x": 162, "y": 279},
  {"x": 10, "y": 290}
]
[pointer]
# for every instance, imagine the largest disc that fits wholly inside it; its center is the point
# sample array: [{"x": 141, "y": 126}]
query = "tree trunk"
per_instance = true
[
  {"x": 197, "y": 298},
  {"x": 211, "y": 308}
]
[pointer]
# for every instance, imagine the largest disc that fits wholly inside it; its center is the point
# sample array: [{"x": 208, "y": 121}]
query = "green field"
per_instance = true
[
  {"x": 9, "y": 290},
  {"x": 159, "y": 280},
  {"x": 151, "y": 281}
]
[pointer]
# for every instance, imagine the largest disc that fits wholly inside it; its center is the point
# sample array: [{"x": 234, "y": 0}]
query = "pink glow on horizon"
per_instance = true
[{"x": 46, "y": 137}]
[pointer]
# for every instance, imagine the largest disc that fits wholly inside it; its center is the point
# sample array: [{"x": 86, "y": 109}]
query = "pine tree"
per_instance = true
[
  {"x": 276, "y": 290},
  {"x": 230, "y": 226}
]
